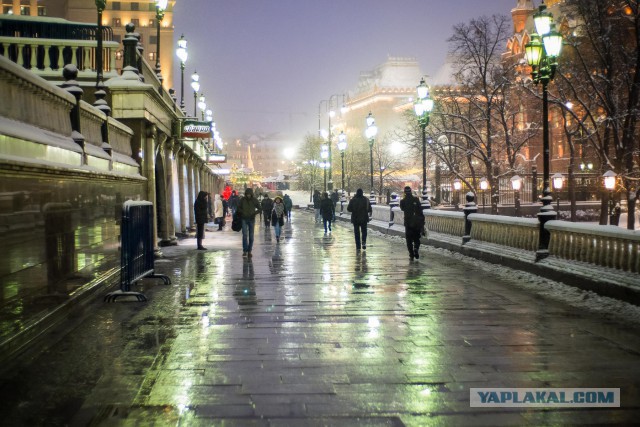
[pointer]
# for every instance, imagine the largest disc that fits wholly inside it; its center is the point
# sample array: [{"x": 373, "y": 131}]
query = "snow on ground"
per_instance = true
[{"x": 606, "y": 307}]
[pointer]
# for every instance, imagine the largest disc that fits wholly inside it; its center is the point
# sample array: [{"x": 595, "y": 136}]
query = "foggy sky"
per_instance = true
[{"x": 266, "y": 64}]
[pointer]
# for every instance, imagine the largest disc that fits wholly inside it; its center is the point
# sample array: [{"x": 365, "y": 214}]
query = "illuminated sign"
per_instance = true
[
  {"x": 217, "y": 158},
  {"x": 193, "y": 129}
]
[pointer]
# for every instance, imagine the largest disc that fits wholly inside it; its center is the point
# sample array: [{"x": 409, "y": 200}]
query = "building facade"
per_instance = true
[{"x": 117, "y": 15}]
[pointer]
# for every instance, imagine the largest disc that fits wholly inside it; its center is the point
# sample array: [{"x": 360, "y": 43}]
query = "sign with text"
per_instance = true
[
  {"x": 194, "y": 129},
  {"x": 217, "y": 158}
]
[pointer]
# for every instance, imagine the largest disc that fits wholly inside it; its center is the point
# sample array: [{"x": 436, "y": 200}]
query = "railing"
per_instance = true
[
  {"x": 606, "y": 246},
  {"x": 44, "y": 56},
  {"x": 518, "y": 233},
  {"x": 444, "y": 222}
]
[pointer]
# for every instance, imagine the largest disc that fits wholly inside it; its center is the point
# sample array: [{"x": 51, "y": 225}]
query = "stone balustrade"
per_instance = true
[
  {"x": 49, "y": 56},
  {"x": 518, "y": 233},
  {"x": 444, "y": 222},
  {"x": 607, "y": 246}
]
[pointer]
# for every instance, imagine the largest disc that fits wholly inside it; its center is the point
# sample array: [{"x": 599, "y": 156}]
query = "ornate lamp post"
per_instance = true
[
  {"x": 161, "y": 6},
  {"x": 423, "y": 107},
  {"x": 195, "y": 85},
  {"x": 516, "y": 184},
  {"x": 484, "y": 185},
  {"x": 370, "y": 132},
  {"x": 542, "y": 57},
  {"x": 558, "y": 181},
  {"x": 342, "y": 146},
  {"x": 100, "y": 5},
  {"x": 610, "y": 184},
  {"x": 324, "y": 154},
  {"x": 202, "y": 104},
  {"x": 182, "y": 54}
]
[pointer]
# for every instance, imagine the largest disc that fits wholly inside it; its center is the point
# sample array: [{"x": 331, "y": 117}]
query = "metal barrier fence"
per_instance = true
[{"x": 136, "y": 253}]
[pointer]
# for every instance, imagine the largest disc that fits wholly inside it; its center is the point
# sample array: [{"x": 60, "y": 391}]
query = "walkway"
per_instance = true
[{"x": 311, "y": 333}]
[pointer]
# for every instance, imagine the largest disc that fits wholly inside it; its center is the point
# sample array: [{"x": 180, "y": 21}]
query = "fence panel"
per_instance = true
[{"x": 136, "y": 253}]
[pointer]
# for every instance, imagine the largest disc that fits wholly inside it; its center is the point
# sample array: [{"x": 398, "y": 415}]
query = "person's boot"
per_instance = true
[{"x": 417, "y": 253}]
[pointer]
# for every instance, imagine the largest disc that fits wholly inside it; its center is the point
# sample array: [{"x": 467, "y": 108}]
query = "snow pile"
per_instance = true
[{"x": 608, "y": 308}]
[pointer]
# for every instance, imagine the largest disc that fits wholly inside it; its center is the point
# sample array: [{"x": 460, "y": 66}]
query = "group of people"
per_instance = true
[
  {"x": 274, "y": 211},
  {"x": 361, "y": 212},
  {"x": 278, "y": 210}
]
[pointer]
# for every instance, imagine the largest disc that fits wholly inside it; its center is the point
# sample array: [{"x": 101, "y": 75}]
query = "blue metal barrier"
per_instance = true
[{"x": 136, "y": 253}]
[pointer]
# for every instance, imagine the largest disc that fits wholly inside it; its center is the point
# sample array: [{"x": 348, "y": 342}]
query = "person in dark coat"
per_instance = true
[
  {"x": 248, "y": 208},
  {"x": 288, "y": 205},
  {"x": 233, "y": 202},
  {"x": 316, "y": 204},
  {"x": 413, "y": 221},
  {"x": 335, "y": 197},
  {"x": 361, "y": 211},
  {"x": 326, "y": 211},
  {"x": 201, "y": 210},
  {"x": 267, "y": 207}
]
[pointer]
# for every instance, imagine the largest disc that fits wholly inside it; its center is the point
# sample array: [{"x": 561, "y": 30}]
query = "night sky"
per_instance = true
[{"x": 266, "y": 64}]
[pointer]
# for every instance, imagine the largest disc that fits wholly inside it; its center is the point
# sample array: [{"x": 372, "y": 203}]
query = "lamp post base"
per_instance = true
[{"x": 372, "y": 198}]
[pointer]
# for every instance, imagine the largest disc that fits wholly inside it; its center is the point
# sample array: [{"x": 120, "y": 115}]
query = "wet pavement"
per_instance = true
[{"x": 309, "y": 332}]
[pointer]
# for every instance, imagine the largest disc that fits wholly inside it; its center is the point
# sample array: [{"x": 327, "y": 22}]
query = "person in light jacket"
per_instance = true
[{"x": 218, "y": 212}]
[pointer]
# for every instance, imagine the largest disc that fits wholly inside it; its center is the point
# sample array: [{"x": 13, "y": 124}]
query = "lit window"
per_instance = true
[{"x": 116, "y": 22}]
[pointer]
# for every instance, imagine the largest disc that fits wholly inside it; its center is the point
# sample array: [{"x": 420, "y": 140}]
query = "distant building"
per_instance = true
[
  {"x": 384, "y": 91},
  {"x": 260, "y": 153}
]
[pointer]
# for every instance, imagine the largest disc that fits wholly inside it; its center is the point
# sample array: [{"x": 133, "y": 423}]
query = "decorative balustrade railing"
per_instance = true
[
  {"x": 444, "y": 222},
  {"x": 518, "y": 233},
  {"x": 604, "y": 246},
  {"x": 46, "y": 56},
  {"x": 607, "y": 246}
]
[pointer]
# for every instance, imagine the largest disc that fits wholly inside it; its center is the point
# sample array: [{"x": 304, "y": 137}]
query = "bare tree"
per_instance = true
[{"x": 603, "y": 65}]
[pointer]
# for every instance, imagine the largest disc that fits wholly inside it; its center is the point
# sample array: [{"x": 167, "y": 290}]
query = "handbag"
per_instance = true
[{"x": 236, "y": 222}]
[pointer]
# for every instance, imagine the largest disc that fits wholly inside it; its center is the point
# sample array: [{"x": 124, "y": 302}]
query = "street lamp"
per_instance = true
[
  {"x": 610, "y": 184},
  {"x": 457, "y": 186},
  {"x": 202, "y": 105},
  {"x": 558, "y": 181},
  {"x": 516, "y": 184},
  {"x": 101, "y": 6},
  {"x": 161, "y": 6},
  {"x": 324, "y": 154},
  {"x": 423, "y": 107},
  {"x": 342, "y": 146},
  {"x": 542, "y": 57},
  {"x": 370, "y": 132},
  {"x": 195, "y": 85},
  {"x": 182, "y": 54},
  {"x": 484, "y": 184}
]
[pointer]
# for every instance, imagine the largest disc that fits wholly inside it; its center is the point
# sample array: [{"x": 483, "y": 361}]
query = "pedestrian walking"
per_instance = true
[
  {"x": 201, "y": 210},
  {"x": 326, "y": 211},
  {"x": 335, "y": 197},
  {"x": 361, "y": 211},
  {"x": 225, "y": 206},
  {"x": 248, "y": 208},
  {"x": 218, "y": 212},
  {"x": 267, "y": 207},
  {"x": 233, "y": 202},
  {"x": 413, "y": 222},
  {"x": 316, "y": 204},
  {"x": 277, "y": 216},
  {"x": 288, "y": 205}
]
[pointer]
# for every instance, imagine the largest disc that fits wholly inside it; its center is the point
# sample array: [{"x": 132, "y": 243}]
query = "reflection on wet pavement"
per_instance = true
[{"x": 311, "y": 332}]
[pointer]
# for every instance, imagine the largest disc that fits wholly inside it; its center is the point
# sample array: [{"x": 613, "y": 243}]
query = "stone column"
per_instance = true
[
  {"x": 169, "y": 205},
  {"x": 149, "y": 172},
  {"x": 190, "y": 192},
  {"x": 182, "y": 189}
]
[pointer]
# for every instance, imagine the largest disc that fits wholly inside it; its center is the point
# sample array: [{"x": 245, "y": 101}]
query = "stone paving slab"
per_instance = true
[{"x": 311, "y": 333}]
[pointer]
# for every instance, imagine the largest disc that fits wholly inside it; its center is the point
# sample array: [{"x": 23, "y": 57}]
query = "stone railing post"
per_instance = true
[
  {"x": 469, "y": 208},
  {"x": 393, "y": 203},
  {"x": 70, "y": 74}
]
